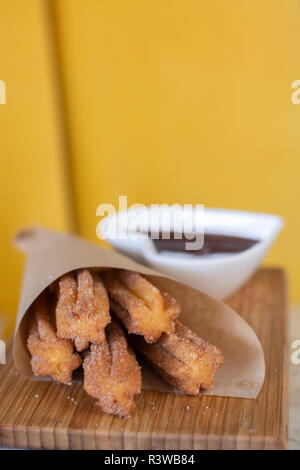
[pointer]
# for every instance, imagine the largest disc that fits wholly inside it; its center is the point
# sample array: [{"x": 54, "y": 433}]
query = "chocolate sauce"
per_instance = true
[{"x": 212, "y": 244}]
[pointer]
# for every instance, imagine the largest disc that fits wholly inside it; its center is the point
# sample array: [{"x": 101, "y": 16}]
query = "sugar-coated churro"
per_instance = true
[
  {"x": 51, "y": 355},
  {"x": 112, "y": 374},
  {"x": 182, "y": 358},
  {"x": 141, "y": 307},
  {"x": 82, "y": 310},
  {"x": 74, "y": 313}
]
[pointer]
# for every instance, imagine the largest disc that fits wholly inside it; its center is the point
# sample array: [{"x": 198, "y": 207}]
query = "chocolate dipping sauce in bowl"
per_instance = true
[{"x": 234, "y": 244}]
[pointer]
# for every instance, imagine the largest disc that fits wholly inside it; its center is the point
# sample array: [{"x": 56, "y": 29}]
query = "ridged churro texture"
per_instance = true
[
  {"x": 81, "y": 302},
  {"x": 182, "y": 358},
  {"x": 112, "y": 374},
  {"x": 141, "y": 307},
  {"x": 82, "y": 311},
  {"x": 51, "y": 355}
]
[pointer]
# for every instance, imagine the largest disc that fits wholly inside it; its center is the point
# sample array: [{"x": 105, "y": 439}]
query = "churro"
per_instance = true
[
  {"x": 82, "y": 310},
  {"x": 141, "y": 307},
  {"x": 112, "y": 374},
  {"x": 51, "y": 355},
  {"x": 182, "y": 359},
  {"x": 81, "y": 320}
]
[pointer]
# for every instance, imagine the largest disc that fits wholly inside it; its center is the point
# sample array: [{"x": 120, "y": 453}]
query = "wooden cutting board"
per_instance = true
[{"x": 52, "y": 416}]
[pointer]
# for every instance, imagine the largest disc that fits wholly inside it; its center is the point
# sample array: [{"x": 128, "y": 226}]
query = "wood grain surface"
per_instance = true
[{"x": 53, "y": 416}]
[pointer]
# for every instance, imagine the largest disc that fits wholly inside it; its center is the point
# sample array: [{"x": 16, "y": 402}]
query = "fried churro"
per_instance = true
[
  {"x": 51, "y": 355},
  {"x": 141, "y": 307},
  {"x": 81, "y": 320},
  {"x": 82, "y": 310},
  {"x": 182, "y": 359},
  {"x": 112, "y": 374}
]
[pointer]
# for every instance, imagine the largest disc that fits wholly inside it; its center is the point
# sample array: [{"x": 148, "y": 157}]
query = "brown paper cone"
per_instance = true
[{"x": 51, "y": 254}]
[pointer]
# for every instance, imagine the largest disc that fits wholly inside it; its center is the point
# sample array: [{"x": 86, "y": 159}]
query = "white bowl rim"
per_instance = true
[{"x": 153, "y": 256}]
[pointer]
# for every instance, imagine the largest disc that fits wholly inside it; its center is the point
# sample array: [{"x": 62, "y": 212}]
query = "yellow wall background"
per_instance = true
[
  {"x": 165, "y": 101},
  {"x": 34, "y": 186}
]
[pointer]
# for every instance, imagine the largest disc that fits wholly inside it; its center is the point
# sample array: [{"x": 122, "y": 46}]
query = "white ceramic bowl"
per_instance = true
[{"x": 218, "y": 275}]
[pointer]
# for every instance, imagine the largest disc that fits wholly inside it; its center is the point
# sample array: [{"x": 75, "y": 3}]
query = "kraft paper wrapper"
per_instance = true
[{"x": 52, "y": 254}]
